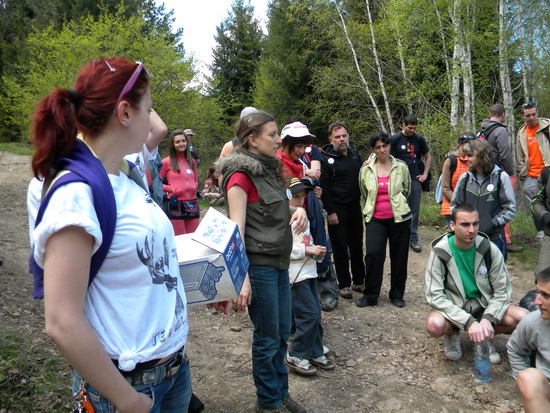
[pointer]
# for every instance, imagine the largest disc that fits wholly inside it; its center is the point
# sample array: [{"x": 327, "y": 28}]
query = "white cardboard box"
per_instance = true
[{"x": 212, "y": 260}]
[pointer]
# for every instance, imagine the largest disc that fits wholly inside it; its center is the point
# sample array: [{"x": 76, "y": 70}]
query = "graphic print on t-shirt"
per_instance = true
[{"x": 158, "y": 269}]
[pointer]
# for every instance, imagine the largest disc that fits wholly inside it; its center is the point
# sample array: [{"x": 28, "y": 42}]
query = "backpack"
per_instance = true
[
  {"x": 82, "y": 166},
  {"x": 484, "y": 133},
  {"x": 439, "y": 187}
]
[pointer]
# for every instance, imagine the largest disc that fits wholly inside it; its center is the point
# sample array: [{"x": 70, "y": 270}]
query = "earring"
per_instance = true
[{"x": 128, "y": 124}]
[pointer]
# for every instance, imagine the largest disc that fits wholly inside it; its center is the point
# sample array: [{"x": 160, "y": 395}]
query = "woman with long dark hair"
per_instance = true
[
  {"x": 119, "y": 320},
  {"x": 255, "y": 190},
  {"x": 179, "y": 178}
]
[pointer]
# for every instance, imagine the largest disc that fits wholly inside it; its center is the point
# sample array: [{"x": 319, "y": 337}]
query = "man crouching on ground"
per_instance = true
[
  {"x": 533, "y": 334},
  {"x": 468, "y": 287}
]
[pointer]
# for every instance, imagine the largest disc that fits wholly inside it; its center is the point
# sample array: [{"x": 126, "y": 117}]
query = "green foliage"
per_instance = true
[
  {"x": 235, "y": 59},
  {"x": 31, "y": 380},
  {"x": 17, "y": 148},
  {"x": 56, "y": 56}
]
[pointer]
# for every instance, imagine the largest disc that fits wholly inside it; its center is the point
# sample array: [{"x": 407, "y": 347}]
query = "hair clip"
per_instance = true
[
  {"x": 249, "y": 121},
  {"x": 109, "y": 66}
]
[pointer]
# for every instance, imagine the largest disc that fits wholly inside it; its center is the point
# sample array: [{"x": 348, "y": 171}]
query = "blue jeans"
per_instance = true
[
  {"x": 169, "y": 395},
  {"x": 306, "y": 309},
  {"x": 270, "y": 312},
  {"x": 414, "y": 204},
  {"x": 501, "y": 244}
]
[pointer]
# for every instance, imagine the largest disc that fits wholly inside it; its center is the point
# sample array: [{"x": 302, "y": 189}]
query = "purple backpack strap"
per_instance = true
[{"x": 83, "y": 167}]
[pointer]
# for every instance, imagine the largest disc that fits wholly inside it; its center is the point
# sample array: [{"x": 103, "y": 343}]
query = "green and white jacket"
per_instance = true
[
  {"x": 398, "y": 190},
  {"x": 445, "y": 292}
]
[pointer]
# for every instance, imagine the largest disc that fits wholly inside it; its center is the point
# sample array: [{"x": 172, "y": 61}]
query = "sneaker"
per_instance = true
[
  {"x": 326, "y": 350},
  {"x": 346, "y": 293},
  {"x": 514, "y": 248},
  {"x": 540, "y": 236},
  {"x": 494, "y": 357},
  {"x": 329, "y": 304},
  {"x": 416, "y": 247},
  {"x": 280, "y": 409},
  {"x": 358, "y": 287},
  {"x": 323, "y": 362},
  {"x": 299, "y": 366},
  {"x": 293, "y": 406},
  {"x": 453, "y": 351}
]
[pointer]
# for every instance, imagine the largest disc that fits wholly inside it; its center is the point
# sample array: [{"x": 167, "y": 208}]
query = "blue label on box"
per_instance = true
[{"x": 236, "y": 260}]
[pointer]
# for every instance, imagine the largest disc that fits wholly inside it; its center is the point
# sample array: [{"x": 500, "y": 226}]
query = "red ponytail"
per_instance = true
[{"x": 62, "y": 114}]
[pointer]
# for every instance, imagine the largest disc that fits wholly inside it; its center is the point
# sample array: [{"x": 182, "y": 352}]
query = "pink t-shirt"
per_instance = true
[
  {"x": 244, "y": 181},
  {"x": 382, "y": 208}
]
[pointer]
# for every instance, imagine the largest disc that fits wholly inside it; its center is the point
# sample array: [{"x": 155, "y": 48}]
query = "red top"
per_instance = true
[
  {"x": 244, "y": 181},
  {"x": 183, "y": 183},
  {"x": 382, "y": 207},
  {"x": 291, "y": 168}
]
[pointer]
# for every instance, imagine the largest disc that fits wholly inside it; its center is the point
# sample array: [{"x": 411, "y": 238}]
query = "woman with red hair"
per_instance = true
[{"x": 122, "y": 323}]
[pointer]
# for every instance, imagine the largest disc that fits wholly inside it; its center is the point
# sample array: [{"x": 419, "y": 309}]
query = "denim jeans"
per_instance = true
[
  {"x": 306, "y": 309},
  {"x": 169, "y": 395},
  {"x": 270, "y": 312}
]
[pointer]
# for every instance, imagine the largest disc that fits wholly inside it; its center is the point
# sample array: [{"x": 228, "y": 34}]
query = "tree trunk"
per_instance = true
[
  {"x": 379, "y": 71},
  {"x": 360, "y": 72}
]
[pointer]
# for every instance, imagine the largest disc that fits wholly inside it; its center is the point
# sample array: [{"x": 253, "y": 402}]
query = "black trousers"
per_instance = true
[
  {"x": 378, "y": 232},
  {"x": 344, "y": 237}
]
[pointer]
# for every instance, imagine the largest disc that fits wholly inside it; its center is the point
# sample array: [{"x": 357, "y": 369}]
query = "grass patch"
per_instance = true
[
  {"x": 17, "y": 148},
  {"x": 31, "y": 378}
]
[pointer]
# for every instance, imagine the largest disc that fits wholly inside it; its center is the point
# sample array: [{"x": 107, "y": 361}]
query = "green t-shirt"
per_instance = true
[{"x": 465, "y": 261}]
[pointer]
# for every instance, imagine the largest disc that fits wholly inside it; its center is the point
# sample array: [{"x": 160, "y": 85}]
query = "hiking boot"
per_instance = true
[
  {"x": 299, "y": 366},
  {"x": 280, "y": 409},
  {"x": 358, "y": 287},
  {"x": 494, "y": 357},
  {"x": 329, "y": 304},
  {"x": 453, "y": 351},
  {"x": 346, "y": 293},
  {"x": 416, "y": 247},
  {"x": 293, "y": 406},
  {"x": 364, "y": 302},
  {"x": 323, "y": 362},
  {"x": 398, "y": 302},
  {"x": 514, "y": 248}
]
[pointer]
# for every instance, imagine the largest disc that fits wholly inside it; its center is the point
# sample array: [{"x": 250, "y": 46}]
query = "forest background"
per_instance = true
[{"x": 367, "y": 62}]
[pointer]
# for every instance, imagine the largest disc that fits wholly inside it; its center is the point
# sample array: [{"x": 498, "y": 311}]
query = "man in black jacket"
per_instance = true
[{"x": 340, "y": 183}]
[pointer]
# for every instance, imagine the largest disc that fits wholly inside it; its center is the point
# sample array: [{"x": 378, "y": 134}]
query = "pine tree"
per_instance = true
[{"x": 235, "y": 59}]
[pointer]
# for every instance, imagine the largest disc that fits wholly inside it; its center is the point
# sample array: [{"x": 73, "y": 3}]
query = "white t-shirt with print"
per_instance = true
[
  {"x": 141, "y": 160},
  {"x": 136, "y": 303}
]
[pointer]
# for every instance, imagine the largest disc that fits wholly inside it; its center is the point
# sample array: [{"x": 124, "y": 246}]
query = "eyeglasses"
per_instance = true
[{"x": 130, "y": 84}]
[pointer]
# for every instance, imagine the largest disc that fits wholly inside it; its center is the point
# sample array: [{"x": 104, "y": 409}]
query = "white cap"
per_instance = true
[
  {"x": 247, "y": 111},
  {"x": 296, "y": 130}
]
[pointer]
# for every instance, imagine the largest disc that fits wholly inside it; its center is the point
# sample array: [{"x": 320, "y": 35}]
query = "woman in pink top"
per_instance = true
[
  {"x": 179, "y": 179},
  {"x": 385, "y": 184}
]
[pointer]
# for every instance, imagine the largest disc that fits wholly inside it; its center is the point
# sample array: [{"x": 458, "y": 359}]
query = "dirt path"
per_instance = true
[{"x": 386, "y": 360}]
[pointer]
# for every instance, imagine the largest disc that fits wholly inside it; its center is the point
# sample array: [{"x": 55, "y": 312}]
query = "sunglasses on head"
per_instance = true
[
  {"x": 466, "y": 137},
  {"x": 130, "y": 83},
  {"x": 528, "y": 105}
]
